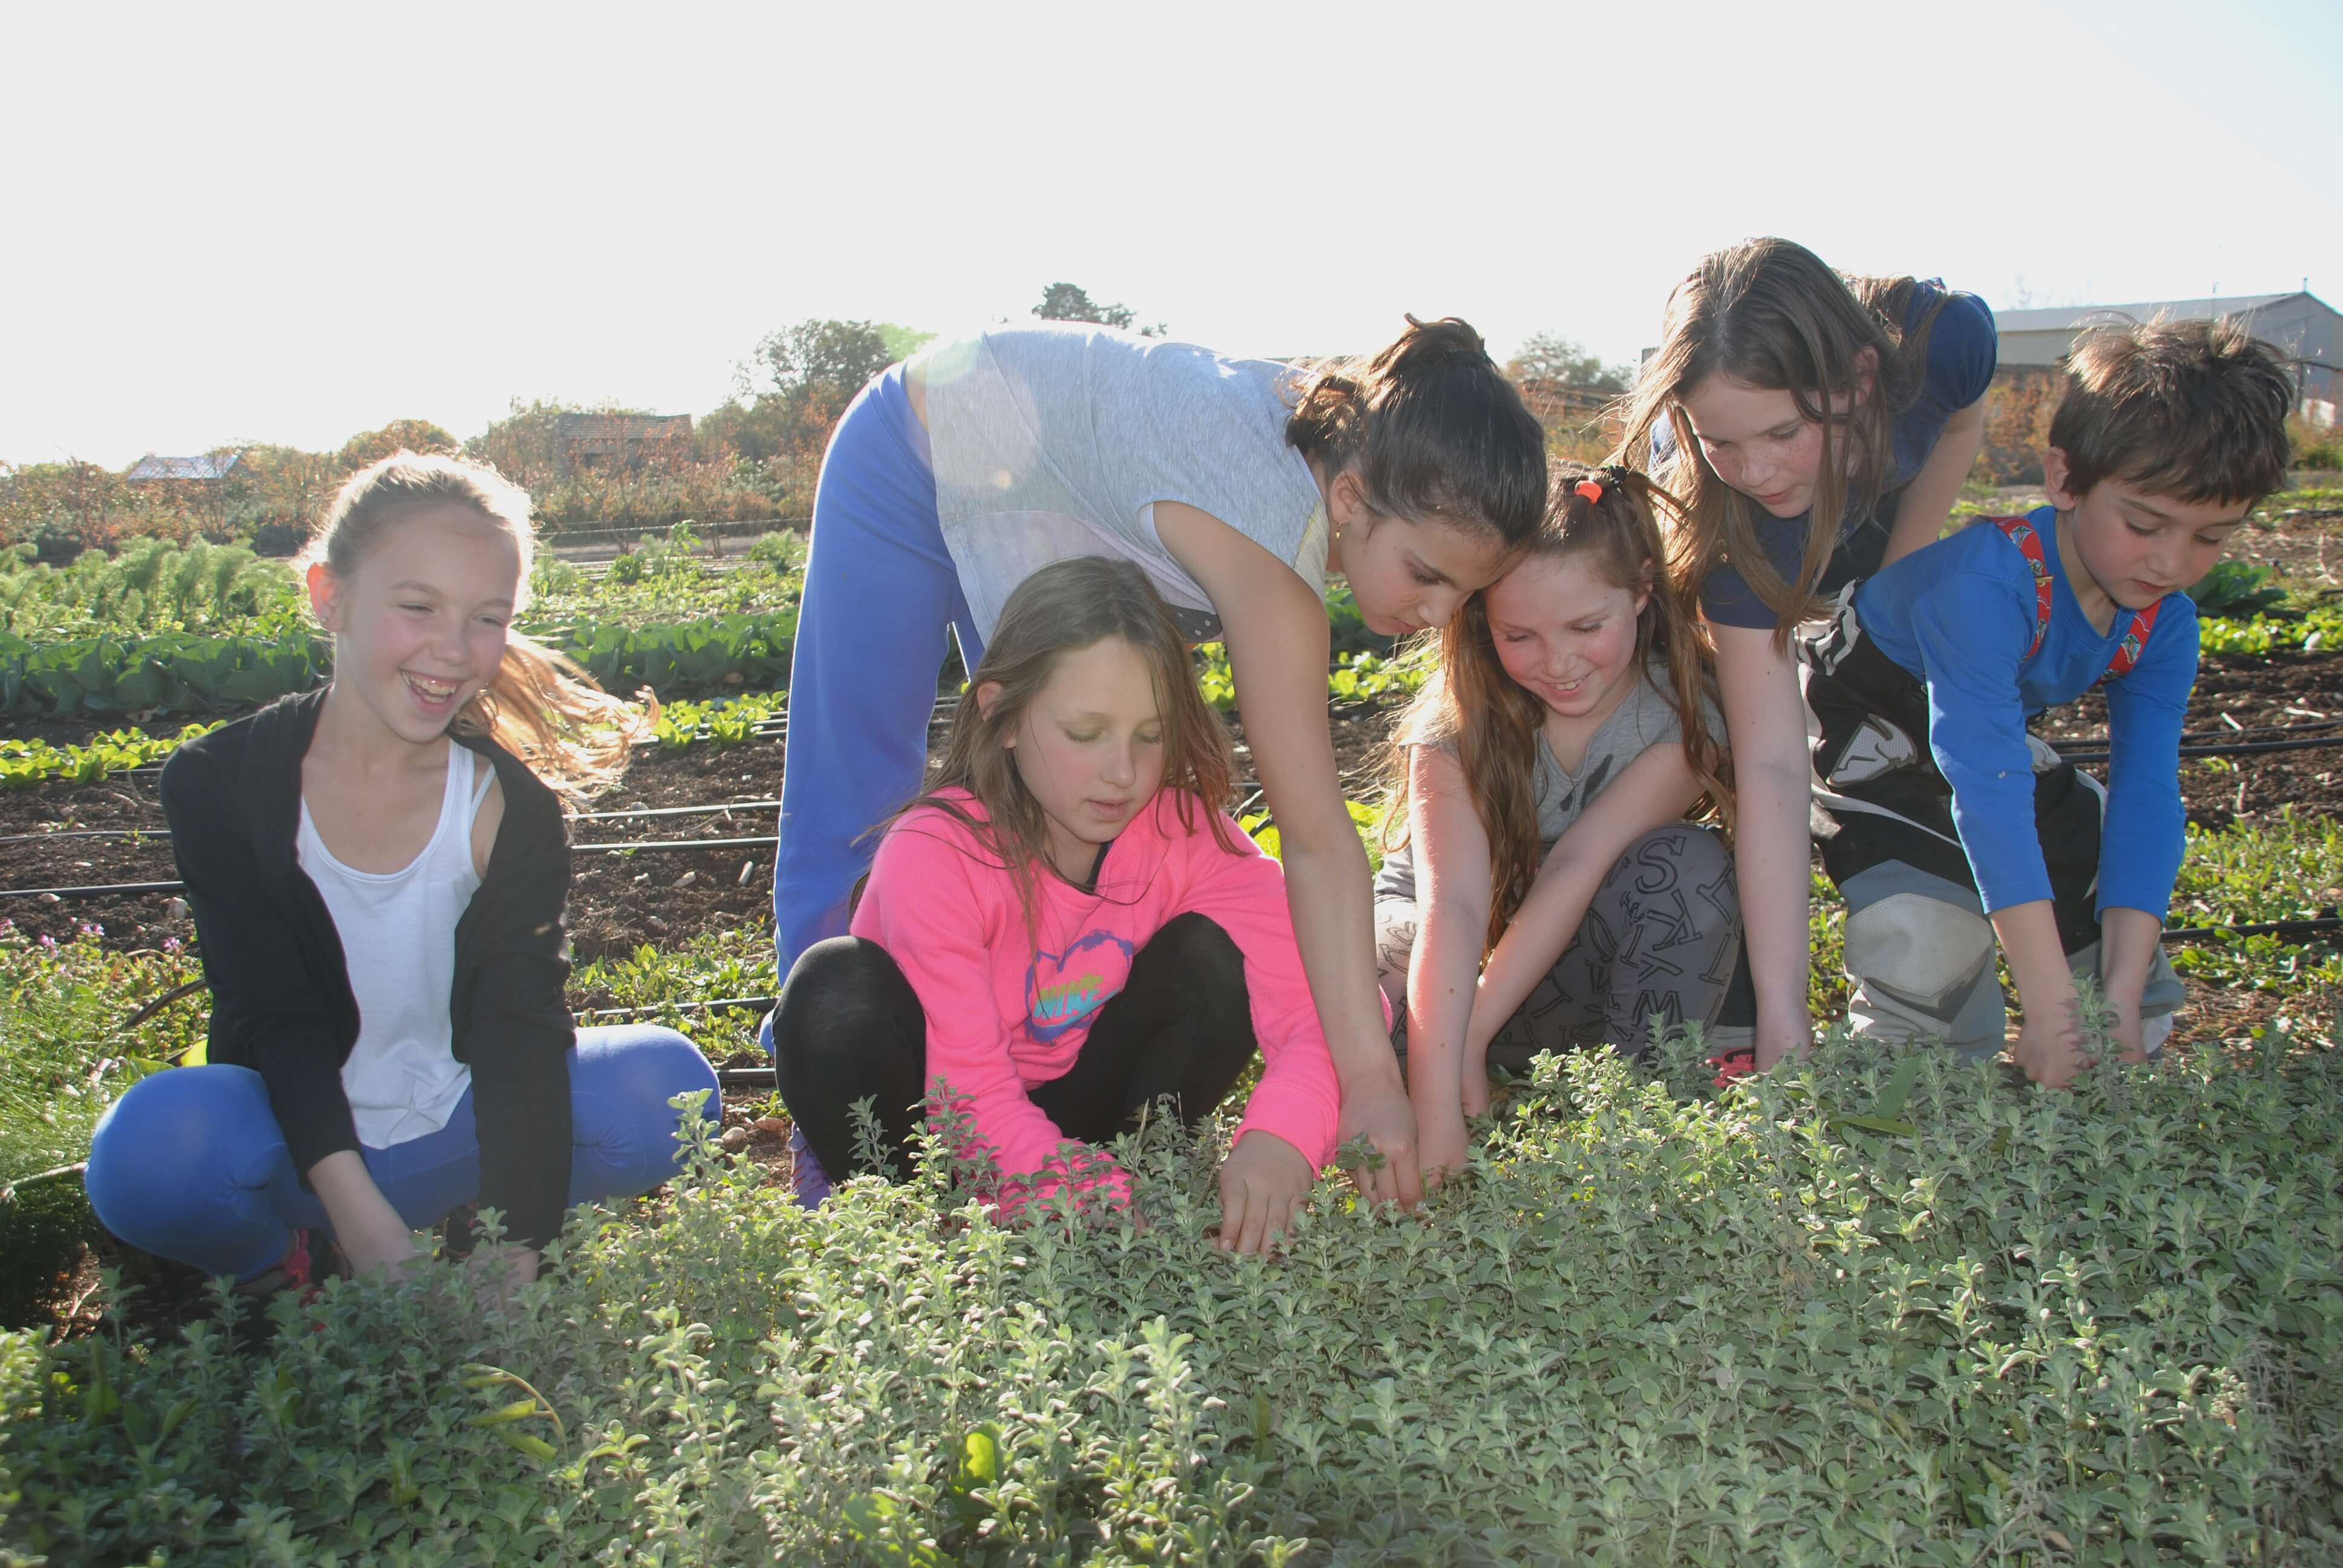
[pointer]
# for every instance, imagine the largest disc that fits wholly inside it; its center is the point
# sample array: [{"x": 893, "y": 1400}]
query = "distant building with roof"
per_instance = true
[
  {"x": 617, "y": 440},
  {"x": 210, "y": 468},
  {"x": 2300, "y": 325}
]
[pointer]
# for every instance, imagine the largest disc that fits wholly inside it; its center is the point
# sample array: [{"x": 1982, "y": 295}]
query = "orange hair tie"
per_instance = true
[{"x": 1589, "y": 488}]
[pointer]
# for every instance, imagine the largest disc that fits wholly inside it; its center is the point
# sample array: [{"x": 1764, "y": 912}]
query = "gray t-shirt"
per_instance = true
[
  {"x": 1057, "y": 440},
  {"x": 1646, "y": 718}
]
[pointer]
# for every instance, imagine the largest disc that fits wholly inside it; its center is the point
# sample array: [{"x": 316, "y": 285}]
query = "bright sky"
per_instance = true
[{"x": 232, "y": 223}]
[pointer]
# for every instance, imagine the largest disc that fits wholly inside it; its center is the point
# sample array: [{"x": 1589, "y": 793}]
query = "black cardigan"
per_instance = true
[{"x": 281, "y": 1000}]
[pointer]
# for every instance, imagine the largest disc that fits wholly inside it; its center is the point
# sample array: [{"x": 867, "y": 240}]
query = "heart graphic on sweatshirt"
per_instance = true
[{"x": 1070, "y": 999}]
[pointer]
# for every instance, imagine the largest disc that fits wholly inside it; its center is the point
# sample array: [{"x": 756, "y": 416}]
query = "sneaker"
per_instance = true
[
  {"x": 807, "y": 1179},
  {"x": 1733, "y": 1052},
  {"x": 459, "y": 1231},
  {"x": 304, "y": 1259}
]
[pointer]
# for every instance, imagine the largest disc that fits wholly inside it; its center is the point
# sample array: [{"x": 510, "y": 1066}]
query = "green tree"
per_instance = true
[
  {"x": 279, "y": 494},
  {"x": 816, "y": 363},
  {"x": 398, "y": 436},
  {"x": 903, "y": 342},
  {"x": 1071, "y": 302},
  {"x": 1560, "y": 361},
  {"x": 799, "y": 381}
]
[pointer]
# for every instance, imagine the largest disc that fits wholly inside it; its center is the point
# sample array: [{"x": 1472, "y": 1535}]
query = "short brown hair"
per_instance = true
[{"x": 2195, "y": 410}]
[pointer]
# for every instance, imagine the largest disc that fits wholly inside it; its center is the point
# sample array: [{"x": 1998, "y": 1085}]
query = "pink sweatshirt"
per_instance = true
[{"x": 1003, "y": 1016}]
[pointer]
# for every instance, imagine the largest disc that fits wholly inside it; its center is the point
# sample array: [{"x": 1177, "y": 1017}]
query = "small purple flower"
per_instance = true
[
  {"x": 47, "y": 940},
  {"x": 170, "y": 944}
]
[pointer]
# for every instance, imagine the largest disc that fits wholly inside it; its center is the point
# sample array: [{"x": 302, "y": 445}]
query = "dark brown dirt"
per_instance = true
[
  {"x": 2235, "y": 692},
  {"x": 618, "y": 903}
]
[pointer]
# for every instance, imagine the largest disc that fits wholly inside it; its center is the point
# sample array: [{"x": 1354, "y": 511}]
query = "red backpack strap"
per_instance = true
[
  {"x": 2135, "y": 637},
  {"x": 2020, "y": 532}
]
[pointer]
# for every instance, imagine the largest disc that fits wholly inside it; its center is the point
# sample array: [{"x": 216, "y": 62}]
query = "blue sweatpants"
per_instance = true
[
  {"x": 190, "y": 1163},
  {"x": 880, "y": 591}
]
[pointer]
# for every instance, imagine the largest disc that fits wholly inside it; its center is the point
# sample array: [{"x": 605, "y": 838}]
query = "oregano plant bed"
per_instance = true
[{"x": 1880, "y": 1309}]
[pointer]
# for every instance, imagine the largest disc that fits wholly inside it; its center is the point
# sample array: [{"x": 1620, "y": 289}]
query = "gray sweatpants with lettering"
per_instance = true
[{"x": 1660, "y": 946}]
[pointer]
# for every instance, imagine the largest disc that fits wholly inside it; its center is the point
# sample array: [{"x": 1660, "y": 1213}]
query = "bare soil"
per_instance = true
[{"x": 651, "y": 897}]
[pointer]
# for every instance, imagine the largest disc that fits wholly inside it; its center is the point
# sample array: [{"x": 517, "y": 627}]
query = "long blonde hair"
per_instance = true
[
  {"x": 1062, "y": 609},
  {"x": 539, "y": 705},
  {"x": 1768, "y": 313},
  {"x": 1491, "y": 722}
]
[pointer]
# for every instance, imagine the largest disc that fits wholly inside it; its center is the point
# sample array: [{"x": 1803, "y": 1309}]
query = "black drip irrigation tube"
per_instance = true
[
  {"x": 107, "y": 889},
  {"x": 636, "y": 814},
  {"x": 2244, "y": 749}
]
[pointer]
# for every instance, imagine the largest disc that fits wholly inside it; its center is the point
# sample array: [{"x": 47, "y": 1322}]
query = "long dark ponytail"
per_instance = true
[{"x": 1432, "y": 430}]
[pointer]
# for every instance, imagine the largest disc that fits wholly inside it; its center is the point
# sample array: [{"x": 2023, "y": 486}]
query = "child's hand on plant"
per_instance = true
[
  {"x": 2124, "y": 1029},
  {"x": 1441, "y": 1137},
  {"x": 506, "y": 1265},
  {"x": 1476, "y": 1076},
  {"x": 2050, "y": 1045},
  {"x": 1262, "y": 1181},
  {"x": 1789, "y": 1032},
  {"x": 369, "y": 1232}
]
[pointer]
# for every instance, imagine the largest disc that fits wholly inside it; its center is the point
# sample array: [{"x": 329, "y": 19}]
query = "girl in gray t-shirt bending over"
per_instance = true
[
  {"x": 1237, "y": 486},
  {"x": 1550, "y": 894}
]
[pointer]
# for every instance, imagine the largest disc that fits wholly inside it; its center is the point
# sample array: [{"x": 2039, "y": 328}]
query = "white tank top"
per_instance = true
[{"x": 399, "y": 941}]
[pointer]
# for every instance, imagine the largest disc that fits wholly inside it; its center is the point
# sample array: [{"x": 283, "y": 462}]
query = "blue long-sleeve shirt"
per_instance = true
[{"x": 1959, "y": 614}]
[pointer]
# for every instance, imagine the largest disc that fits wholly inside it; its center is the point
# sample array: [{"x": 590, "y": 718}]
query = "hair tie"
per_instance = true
[{"x": 1591, "y": 490}]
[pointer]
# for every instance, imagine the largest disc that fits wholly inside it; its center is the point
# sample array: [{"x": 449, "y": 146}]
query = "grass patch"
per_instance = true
[{"x": 66, "y": 1055}]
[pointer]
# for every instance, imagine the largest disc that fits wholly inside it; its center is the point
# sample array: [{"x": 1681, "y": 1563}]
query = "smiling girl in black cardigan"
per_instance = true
[{"x": 377, "y": 880}]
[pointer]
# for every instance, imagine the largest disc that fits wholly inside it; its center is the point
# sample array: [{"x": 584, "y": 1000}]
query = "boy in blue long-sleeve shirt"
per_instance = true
[{"x": 1946, "y": 823}]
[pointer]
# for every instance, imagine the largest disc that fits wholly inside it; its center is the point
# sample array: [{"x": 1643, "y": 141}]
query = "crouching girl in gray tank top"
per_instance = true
[
  {"x": 1544, "y": 891},
  {"x": 1237, "y": 486},
  {"x": 377, "y": 880}
]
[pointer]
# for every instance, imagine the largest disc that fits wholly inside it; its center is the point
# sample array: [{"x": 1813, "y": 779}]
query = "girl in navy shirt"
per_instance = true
[{"x": 1826, "y": 425}]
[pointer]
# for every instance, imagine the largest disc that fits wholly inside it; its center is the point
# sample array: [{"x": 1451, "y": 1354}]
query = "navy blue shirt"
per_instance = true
[
  {"x": 1962, "y": 351},
  {"x": 1960, "y": 614}
]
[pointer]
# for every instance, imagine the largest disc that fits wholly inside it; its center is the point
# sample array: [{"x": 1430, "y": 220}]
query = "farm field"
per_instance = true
[{"x": 1873, "y": 1310}]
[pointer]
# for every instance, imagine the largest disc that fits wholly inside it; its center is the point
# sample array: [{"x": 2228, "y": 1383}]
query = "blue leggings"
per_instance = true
[
  {"x": 880, "y": 591},
  {"x": 190, "y": 1163}
]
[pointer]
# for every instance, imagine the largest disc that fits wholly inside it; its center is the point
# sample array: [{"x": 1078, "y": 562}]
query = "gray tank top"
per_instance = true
[
  {"x": 1646, "y": 718},
  {"x": 1057, "y": 440}
]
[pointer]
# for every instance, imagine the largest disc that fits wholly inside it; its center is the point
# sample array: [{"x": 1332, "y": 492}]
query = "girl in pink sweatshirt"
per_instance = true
[{"x": 1065, "y": 929}]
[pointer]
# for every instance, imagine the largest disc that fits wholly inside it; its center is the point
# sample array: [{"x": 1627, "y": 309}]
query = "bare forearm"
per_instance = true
[
  {"x": 1773, "y": 860},
  {"x": 2128, "y": 939},
  {"x": 1328, "y": 891},
  {"x": 1927, "y": 500},
  {"x": 2037, "y": 962},
  {"x": 1439, "y": 1003},
  {"x": 1540, "y": 930},
  {"x": 371, "y": 1233}
]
